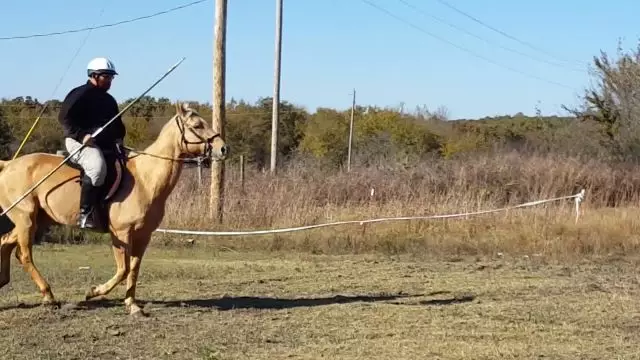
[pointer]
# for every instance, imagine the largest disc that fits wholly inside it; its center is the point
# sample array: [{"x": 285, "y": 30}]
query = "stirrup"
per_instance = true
[{"x": 85, "y": 221}]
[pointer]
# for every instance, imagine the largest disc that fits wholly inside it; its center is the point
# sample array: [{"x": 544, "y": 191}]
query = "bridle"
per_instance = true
[{"x": 208, "y": 147}]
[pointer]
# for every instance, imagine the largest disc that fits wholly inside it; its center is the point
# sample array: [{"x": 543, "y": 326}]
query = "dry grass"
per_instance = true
[
  {"x": 206, "y": 304},
  {"x": 300, "y": 196}
]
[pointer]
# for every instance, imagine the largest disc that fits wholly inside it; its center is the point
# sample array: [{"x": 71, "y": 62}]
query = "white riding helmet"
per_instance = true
[{"x": 101, "y": 65}]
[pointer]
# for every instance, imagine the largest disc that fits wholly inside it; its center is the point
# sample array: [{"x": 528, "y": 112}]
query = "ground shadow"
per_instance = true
[
  {"x": 456, "y": 299},
  {"x": 263, "y": 303},
  {"x": 449, "y": 301},
  {"x": 20, "y": 306},
  {"x": 250, "y": 302}
]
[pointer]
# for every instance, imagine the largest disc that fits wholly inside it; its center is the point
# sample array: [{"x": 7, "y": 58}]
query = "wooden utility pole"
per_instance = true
[
  {"x": 353, "y": 108},
  {"x": 275, "y": 115},
  {"x": 218, "y": 119}
]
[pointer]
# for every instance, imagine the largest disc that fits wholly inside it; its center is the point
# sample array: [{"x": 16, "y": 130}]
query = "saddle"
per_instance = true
[{"x": 116, "y": 161}]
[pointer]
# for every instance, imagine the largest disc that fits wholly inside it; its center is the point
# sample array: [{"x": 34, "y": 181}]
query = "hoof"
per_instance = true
[
  {"x": 136, "y": 311},
  {"x": 51, "y": 304},
  {"x": 90, "y": 294},
  {"x": 138, "y": 314},
  {"x": 48, "y": 300}
]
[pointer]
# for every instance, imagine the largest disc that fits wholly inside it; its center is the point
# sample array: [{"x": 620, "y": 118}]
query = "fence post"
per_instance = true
[
  {"x": 242, "y": 174},
  {"x": 199, "y": 171}
]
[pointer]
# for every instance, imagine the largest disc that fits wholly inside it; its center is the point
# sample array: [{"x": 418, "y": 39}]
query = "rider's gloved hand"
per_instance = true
[{"x": 87, "y": 140}]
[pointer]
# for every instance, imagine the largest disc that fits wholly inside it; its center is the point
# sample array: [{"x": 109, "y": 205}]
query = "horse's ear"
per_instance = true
[
  {"x": 179, "y": 109},
  {"x": 185, "y": 107}
]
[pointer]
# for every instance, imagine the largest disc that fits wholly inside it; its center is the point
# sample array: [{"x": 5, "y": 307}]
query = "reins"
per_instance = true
[{"x": 181, "y": 127}]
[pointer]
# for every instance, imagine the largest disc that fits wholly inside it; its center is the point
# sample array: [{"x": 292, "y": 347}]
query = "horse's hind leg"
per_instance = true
[
  {"x": 25, "y": 242},
  {"x": 8, "y": 242}
]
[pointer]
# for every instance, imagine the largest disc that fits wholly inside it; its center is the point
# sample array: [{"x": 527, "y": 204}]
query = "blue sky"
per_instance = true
[{"x": 329, "y": 48}]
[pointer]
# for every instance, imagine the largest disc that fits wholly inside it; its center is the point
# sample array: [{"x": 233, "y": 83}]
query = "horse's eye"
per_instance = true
[{"x": 198, "y": 125}]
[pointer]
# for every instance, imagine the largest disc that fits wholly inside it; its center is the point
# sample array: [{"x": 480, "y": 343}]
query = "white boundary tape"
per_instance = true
[{"x": 578, "y": 199}]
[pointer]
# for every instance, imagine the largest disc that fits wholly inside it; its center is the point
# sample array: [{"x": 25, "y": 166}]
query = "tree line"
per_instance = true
[{"x": 605, "y": 125}]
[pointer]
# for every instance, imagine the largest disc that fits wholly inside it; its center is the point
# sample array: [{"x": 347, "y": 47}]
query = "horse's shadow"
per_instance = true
[
  {"x": 249, "y": 302},
  {"x": 226, "y": 303}
]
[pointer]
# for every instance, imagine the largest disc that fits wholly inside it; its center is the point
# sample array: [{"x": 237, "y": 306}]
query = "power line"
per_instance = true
[
  {"x": 447, "y": 4},
  {"x": 104, "y": 25},
  {"x": 464, "y": 49},
  {"x": 485, "y": 40}
]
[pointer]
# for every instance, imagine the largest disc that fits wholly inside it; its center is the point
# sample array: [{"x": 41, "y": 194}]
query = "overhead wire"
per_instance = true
[
  {"x": 103, "y": 25},
  {"x": 424, "y": 13},
  {"x": 465, "y": 49},
  {"x": 44, "y": 108},
  {"x": 522, "y": 42}
]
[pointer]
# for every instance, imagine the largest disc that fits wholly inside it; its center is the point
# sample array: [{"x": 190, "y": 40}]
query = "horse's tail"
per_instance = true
[{"x": 6, "y": 225}]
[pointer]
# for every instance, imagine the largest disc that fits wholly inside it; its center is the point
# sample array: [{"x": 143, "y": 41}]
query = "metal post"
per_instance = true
[{"x": 275, "y": 115}]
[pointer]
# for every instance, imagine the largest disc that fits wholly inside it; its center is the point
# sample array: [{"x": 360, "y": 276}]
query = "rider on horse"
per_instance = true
[{"x": 85, "y": 109}]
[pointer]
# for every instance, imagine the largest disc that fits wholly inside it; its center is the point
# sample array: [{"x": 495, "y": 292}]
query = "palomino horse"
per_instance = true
[{"x": 134, "y": 211}]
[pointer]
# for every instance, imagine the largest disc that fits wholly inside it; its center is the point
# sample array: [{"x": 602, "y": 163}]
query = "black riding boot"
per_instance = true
[{"x": 87, "y": 203}]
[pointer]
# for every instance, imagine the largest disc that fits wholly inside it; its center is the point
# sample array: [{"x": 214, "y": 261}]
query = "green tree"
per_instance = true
[
  {"x": 6, "y": 138},
  {"x": 248, "y": 130},
  {"x": 614, "y": 104},
  {"x": 326, "y": 136}
]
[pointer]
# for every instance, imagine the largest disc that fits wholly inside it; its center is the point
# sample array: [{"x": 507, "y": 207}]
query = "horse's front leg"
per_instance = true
[
  {"x": 121, "y": 252},
  {"x": 138, "y": 248}
]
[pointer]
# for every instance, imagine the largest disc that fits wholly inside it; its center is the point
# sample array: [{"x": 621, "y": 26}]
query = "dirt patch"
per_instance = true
[{"x": 233, "y": 305}]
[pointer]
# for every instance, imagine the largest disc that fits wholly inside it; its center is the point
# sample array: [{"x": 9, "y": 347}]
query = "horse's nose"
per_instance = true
[{"x": 225, "y": 150}]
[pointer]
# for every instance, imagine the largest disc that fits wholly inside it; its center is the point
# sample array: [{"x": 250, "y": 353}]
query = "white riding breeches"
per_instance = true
[{"x": 90, "y": 159}]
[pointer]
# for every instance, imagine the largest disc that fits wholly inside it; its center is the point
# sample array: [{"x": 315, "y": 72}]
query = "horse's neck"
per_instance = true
[{"x": 155, "y": 175}]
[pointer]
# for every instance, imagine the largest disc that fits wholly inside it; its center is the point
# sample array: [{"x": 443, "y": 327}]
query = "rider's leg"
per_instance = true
[{"x": 92, "y": 162}]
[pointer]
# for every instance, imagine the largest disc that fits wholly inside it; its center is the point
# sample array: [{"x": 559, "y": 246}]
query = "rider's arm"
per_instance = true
[{"x": 72, "y": 117}]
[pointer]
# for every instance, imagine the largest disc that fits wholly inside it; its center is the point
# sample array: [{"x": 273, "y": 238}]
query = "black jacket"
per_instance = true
[{"x": 85, "y": 109}]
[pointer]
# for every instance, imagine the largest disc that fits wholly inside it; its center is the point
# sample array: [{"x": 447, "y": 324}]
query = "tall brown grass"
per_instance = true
[{"x": 303, "y": 196}]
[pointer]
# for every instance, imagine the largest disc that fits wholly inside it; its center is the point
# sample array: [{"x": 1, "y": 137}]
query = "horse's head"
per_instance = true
[{"x": 197, "y": 136}]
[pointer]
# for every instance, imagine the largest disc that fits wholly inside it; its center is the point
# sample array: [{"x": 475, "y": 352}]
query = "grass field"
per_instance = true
[
  {"x": 204, "y": 303},
  {"x": 524, "y": 284}
]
